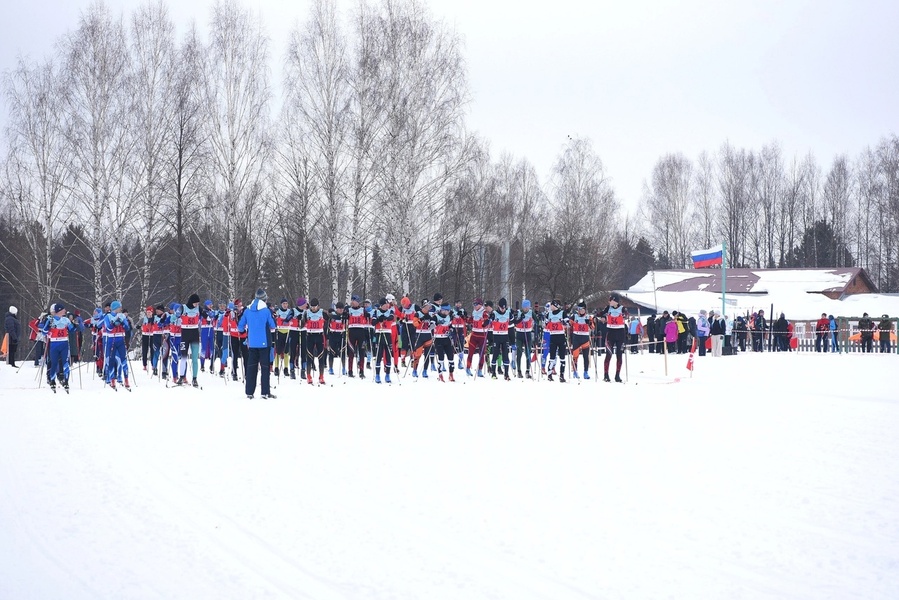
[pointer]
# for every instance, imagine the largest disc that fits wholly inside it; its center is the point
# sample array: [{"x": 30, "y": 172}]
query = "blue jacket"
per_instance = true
[{"x": 257, "y": 318}]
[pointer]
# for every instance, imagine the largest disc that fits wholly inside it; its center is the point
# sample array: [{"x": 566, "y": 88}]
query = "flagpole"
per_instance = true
[{"x": 723, "y": 279}]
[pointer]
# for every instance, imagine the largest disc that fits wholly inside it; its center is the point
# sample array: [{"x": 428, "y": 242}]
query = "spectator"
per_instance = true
[
  {"x": 759, "y": 326},
  {"x": 650, "y": 330},
  {"x": 780, "y": 334},
  {"x": 11, "y": 325},
  {"x": 717, "y": 330},
  {"x": 661, "y": 322},
  {"x": 822, "y": 333},
  {"x": 635, "y": 329},
  {"x": 866, "y": 327},
  {"x": 702, "y": 331},
  {"x": 682, "y": 331},
  {"x": 884, "y": 330},
  {"x": 741, "y": 331},
  {"x": 789, "y": 336},
  {"x": 671, "y": 336},
  {"x": 834, "y": 334}
]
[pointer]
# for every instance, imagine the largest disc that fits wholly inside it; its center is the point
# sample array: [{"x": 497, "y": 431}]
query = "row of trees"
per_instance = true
[
  {"x": 145, "y": 166},
  {"x": 774, "y": 212}
]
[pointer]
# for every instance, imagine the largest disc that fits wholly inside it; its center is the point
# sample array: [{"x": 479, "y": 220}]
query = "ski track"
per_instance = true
[{"x": 446, "y": 491}]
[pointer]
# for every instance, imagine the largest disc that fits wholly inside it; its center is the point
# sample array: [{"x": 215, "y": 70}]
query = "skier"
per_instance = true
[
  {"x": 477, "y": 342},
  {"x": 176, "y": 348},
  {"x": 614, "y": 316},
  {"x": 283, "y": 316},
  {"x": 406, "y": 328},
  {"x": 115, "y": 326},
  {"x": 499, "y": 325},
  {"x": 221, "y": 348},
  {"x": 296, "y": 339},
  {"x": 337, "y": 332},
  {"x": 147, "y": 325},
  {"x": 384, "y": 319},
  {"x": 207, "y": 335},
  {"x": 315, "y": 319},
  {"x": 581, "y": 325},
  {"x": 239, "y": 350},
  {"x": 57, "y": 327},
  {"x": 443, "y": 345},
  {"x": 558, "y": 346},
  {"x": 423, "y": 341},
  {"x": 190, "y": 339},
  {"x": 357, "y": 322},
  {"x": 254, "y": 325},
  {"x": 524, "y": 333},
  {"x": 458, "y": 332}
]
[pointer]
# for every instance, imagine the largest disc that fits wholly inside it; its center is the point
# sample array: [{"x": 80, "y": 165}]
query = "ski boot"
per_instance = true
[
  {"x": 605, "y": 378},
  {"x": 468, "y": 372},
  {"x": 520, "y": 376},
  {"x": 350, "y": 374},
  {"x": 111, "y": 384},
  {"x": 234, "y": 375},
  {"x": 561, "y": 377},
  {"x": 506, "y": 377},
  {"x": 415, "y": 373},
  {"x": 377, "y": 378},
  {"x": 202, "y": 369},
  {"x": 451, "y": 378},
  {"x": 268, "y": 396},
  {"x": 309, "y": 377},
  {"x": 249, "y": 396},
  {"x": 574, "y": 374},
  {"x": 155, "y": 372},
  {"x": 127, "y": 384},
  {"x": 321, "y": 379},
  {"x": 387, "y": 376},
  {"x": 527, "y": 374},
  {"x": 424, "y": 372},
  {"x": 480, "y": 373},
  {"x": 277, "y": 372},
  {"x": 165, "y": 376},
  {"x": 183, "y": 380},
  {"x": 440, "y": 377},
  {"x": 618, "y": 378},
  {"x": 330, "y": 370},
  {"x": 293, "y": 374},
  {"x": 65, "y": 384},
  {"x": 52, "y": 383},
  {"x": 195, "y": 383},
  {"x": 586, "y": 374},
  {"x": 459, "y": 365}
]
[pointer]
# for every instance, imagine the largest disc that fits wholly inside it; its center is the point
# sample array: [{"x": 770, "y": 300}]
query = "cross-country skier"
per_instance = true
[
  {"x": 337, "y": 332},
  {"x": 477, "y": 342},
  {"x": 581, "y": 325},
  {"x": 614, "y": 316},
  {"x": 57, "y": 327},
  {"x": 558, "y": 345},
  {"x": 524, "y": 334},
  {"x": 499, "y": 325},
  {"x": 316, "y": 320},
  {"x": 207, "y": 335},
  {"x": 443, "y": 344},
  {"x": 357, "y": 322},
  {"x": 190, "y": 339},
  {"x": 383, "y": 318},
  {"x": 115, "y": 325},
  {"x": 283, "y": 315}
]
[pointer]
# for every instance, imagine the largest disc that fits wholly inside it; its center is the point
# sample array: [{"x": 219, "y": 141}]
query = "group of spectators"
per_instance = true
[{"x": 675, "y": 332}]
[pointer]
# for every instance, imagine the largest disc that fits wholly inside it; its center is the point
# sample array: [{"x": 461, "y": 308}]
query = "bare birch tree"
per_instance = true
[
  {"x": 38, "y": 170},
  {"x": 237, "y": 94}
]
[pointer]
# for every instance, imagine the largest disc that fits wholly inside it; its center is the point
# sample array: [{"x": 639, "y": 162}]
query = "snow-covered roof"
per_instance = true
[
  {"x": 794, "y": 292},
  {"x": 749, "y": 281}
]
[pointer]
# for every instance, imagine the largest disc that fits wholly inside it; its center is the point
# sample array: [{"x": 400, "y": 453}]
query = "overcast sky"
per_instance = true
[{"x": 640, "y": 79}]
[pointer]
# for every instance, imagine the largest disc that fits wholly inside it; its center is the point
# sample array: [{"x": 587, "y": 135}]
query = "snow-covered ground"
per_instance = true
[{"x": 763, "y": 476}]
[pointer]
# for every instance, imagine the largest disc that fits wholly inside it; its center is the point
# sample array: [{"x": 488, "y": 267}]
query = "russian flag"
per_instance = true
[{"x": 709, "y": 257}]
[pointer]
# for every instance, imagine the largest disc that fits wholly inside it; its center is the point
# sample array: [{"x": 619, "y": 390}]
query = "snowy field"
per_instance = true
[{"x": 763, "y": 476}]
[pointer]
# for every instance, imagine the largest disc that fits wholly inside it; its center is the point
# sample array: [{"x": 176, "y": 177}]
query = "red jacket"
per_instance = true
[{"x": 823, "y": 325}]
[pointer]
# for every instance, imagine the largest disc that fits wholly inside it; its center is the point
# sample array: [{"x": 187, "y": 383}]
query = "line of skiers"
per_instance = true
[{"x": 432, "y": 334}]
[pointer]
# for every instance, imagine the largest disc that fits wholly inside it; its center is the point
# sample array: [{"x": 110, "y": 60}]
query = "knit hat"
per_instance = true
[
  {"x": 556, "y": 302},
  {"x": 405, "y": 302},
  {"x": 301, "y": 301},
  {"x": 230, "y": 306},
  {"x": 283, "y": 300},
  {"x": 237, "y": 302},
  {"x": 261, "y": 295},
  {"x": 437, "y": 297},
  {"x": 207, "y": 303},
  {"x": 502, "y": 303},
  {"x": 355, "y": 298},
  {"x": 338, "y": 305},
  {"x": 149, "y": 309},
  {"x": 390, "y": 298},
  {"x": 116, "y": 305},
  {"x": 489, "y": 303},
  {"x": 313, "y": 302},
  {"x": 525, "y": 304},
  {"x": 478, "y": 302},
  {"x": 582, "y": 305},
  {"x": 445, "y": 306},
  {"x": 13, "y": 310},
  {"x": 173, "y": 306},
  {"x": 703, "y": 313},
  {"x": 383, "y": 301},
  {"x": 193, "y": 300},
  {"x": 160, "y": 308}
]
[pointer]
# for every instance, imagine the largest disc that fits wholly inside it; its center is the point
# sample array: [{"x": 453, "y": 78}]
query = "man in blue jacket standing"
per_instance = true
[{"x": 257, "y": 318}]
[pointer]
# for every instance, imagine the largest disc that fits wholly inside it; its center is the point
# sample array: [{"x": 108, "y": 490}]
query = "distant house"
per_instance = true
[{"x": 799, "y": 293}]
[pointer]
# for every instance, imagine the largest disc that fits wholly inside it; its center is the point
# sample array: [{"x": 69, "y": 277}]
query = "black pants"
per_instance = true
[
  {"x": 13, "y": 348},
  {"x": 239, "y": 350},
  {"x": 558, "y": 347},
  {"x": 525, "y": 342},
  {"x": 383, "y": 349},
  {"x": 315, "y": 348},
  {"x": 145, "y": 349},
  {"x": 500, "y": 351},
  {"x": 358, "y": 336},
  {"x": 257, "y": 357},
  {"x": 615, "y": 343},
  {"x": 443, "y": 347},
  {"x": 336, "y": 347}
]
